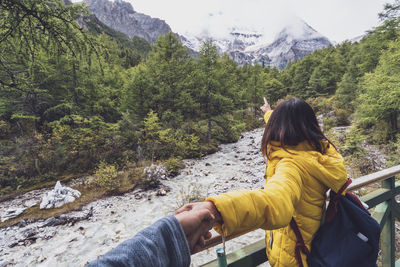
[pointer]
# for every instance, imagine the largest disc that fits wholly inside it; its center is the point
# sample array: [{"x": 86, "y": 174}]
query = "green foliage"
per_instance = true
[
  {"x": 380, "y": 99},
  {"x": 174, "y": 165},
  {"x": 162, "y": 143},
  {"x": 393, "y": 150},
  {"x": 352, "y": 145},
  {"x": 78, "y": 143},
  {"x": 4, "y": 129},
  {"x": 320, "y": 105},
  {"x": 213, "y": 102},
  {"x": 169, "y": 67},
  {"x": 106, "y": 177},
  {"x": 342, "y": 117},
  {"x": 328, "y": 123},
  {"x": 301, "y": 72},
  {"x": 347, "y": 92},
  {"x": 34, "y": 37},
  {"x": 227, "y": 129},
  {"x": 151, "y": 134},
  {"x": 129, "y": 52},
  {"x": 324, "y": 78}
]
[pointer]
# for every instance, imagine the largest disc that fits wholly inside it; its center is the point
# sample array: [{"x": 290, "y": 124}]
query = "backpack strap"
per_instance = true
[
  {"x": 341, "y": 190},
  {"x": 333, "y": 202},
  {"x": 300, "y": 245}
]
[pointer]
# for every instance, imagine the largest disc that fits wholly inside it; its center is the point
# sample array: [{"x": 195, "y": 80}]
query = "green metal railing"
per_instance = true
[{"x": 386, "y": 209}]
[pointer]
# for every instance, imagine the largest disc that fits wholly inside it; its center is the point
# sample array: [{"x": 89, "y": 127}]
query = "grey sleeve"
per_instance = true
[{"x": 161, "y": 244}]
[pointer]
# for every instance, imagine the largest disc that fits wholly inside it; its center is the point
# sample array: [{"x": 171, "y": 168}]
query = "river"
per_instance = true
[{"x": 238, "y": 165}]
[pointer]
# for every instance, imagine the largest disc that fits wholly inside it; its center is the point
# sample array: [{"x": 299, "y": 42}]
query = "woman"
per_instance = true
[{"x": 302, "y": 164}]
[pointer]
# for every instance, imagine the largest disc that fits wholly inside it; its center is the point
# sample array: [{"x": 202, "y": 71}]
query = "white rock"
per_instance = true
[
  {"x": 30, "y": 203},
  {"x": 11, "y": 213},
  {"x": 156, "y": 172},
  {"x": 59, "y": 196}
]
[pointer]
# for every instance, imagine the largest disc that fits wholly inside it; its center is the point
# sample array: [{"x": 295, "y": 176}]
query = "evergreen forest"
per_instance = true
[{"x": 78, "y": 98}]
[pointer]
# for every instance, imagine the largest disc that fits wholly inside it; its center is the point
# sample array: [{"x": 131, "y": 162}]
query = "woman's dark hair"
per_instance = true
[{"x": 292, "y": 122}]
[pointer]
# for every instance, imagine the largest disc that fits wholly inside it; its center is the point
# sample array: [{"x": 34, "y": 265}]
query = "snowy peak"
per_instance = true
[
  {"x": 292, "y": 43},
  {"x": 299, "y": 30},
  {"x": 235, "y": 40}
]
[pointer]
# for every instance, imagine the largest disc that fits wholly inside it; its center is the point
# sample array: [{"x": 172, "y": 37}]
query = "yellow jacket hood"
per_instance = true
[{"x": 328, "y": 168}]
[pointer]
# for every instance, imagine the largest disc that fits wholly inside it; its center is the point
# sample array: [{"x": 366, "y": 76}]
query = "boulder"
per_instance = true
[
  {"x": 59, "y": 196},
  {"x": 11, "y": 213},
  {"x": 163, "y": 191},
  {"x": 152, "y": 176},
  {"x": 156, "y": 172}
]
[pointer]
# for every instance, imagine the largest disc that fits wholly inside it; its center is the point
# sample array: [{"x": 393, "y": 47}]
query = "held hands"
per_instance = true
[
  {"x": 197, "y": 219},
  {"x": 266, "y": 107}
]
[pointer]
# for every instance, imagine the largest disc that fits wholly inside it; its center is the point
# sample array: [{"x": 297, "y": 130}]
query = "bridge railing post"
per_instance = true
[{"x": 388, "y": 237}]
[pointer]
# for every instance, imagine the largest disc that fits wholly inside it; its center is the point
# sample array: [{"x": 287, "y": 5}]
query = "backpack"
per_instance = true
[{"x": 349, "y": 236}]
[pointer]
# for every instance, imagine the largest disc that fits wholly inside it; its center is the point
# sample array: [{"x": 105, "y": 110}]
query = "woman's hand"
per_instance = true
[
  {"x": 266, "y": 107},
  {"x": 196, "y": 220},
  {"x": 207, "y": 205},
  {"x": 196, "y": 224}
]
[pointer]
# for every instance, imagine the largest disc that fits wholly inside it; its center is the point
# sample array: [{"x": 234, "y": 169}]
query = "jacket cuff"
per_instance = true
[
  {"x": 226, "y": 209},
  {"x": 267, "y": 115}
]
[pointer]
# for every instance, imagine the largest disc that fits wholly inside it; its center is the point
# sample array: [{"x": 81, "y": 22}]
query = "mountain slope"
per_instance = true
[{"x": 121, "y": 16}]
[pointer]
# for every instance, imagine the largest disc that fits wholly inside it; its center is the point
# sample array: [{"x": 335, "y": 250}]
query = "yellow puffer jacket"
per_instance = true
[{"x": 296, "y": 185}]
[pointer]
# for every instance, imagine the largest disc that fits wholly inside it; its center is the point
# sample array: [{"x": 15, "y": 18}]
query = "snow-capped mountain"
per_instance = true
[
  {"x": 238, "y": 40},
  {"x": 292, "y": 43},
  {"x": 246, "y": 45}
]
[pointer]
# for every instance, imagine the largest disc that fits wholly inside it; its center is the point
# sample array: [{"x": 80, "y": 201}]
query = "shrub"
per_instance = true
[
  {"x": 226, "y": 129},
  {"x": 342, "y": 117},
  {"x": 320, "y": 104},
  {"x": 393, "y": 151},
  {"x": 352, "y": 144},
  {"x": 106, "y": 177},
  {"x": 329, "y": 122},
  {"x": 193, "y": 192},
  {"x": 174, "y": 165},
  {"x": 251, "y": 122},
  {"x": 5, "y": 129}
]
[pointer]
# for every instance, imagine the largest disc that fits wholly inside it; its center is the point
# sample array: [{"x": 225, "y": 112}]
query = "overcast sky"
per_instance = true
[{"x": 336, "y": 19}]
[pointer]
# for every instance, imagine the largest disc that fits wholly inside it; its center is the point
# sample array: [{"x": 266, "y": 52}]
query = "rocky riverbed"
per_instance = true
[{"x": 103, "y": 224}]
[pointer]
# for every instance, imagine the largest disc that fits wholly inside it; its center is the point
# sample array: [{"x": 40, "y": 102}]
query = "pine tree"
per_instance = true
[
  {"x": 169, "y": 70},
  {"x": 324, "y": 78},
  {"x": 380, "y": 99},
  {"x": 208, "y": 57}
]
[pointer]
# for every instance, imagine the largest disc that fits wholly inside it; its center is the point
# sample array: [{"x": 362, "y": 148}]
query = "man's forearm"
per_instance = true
[{"x": 161, "y": 244}]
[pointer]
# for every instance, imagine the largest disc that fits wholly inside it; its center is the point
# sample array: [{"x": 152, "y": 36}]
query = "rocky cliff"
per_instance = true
[{"x": 121, "y": 16}]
